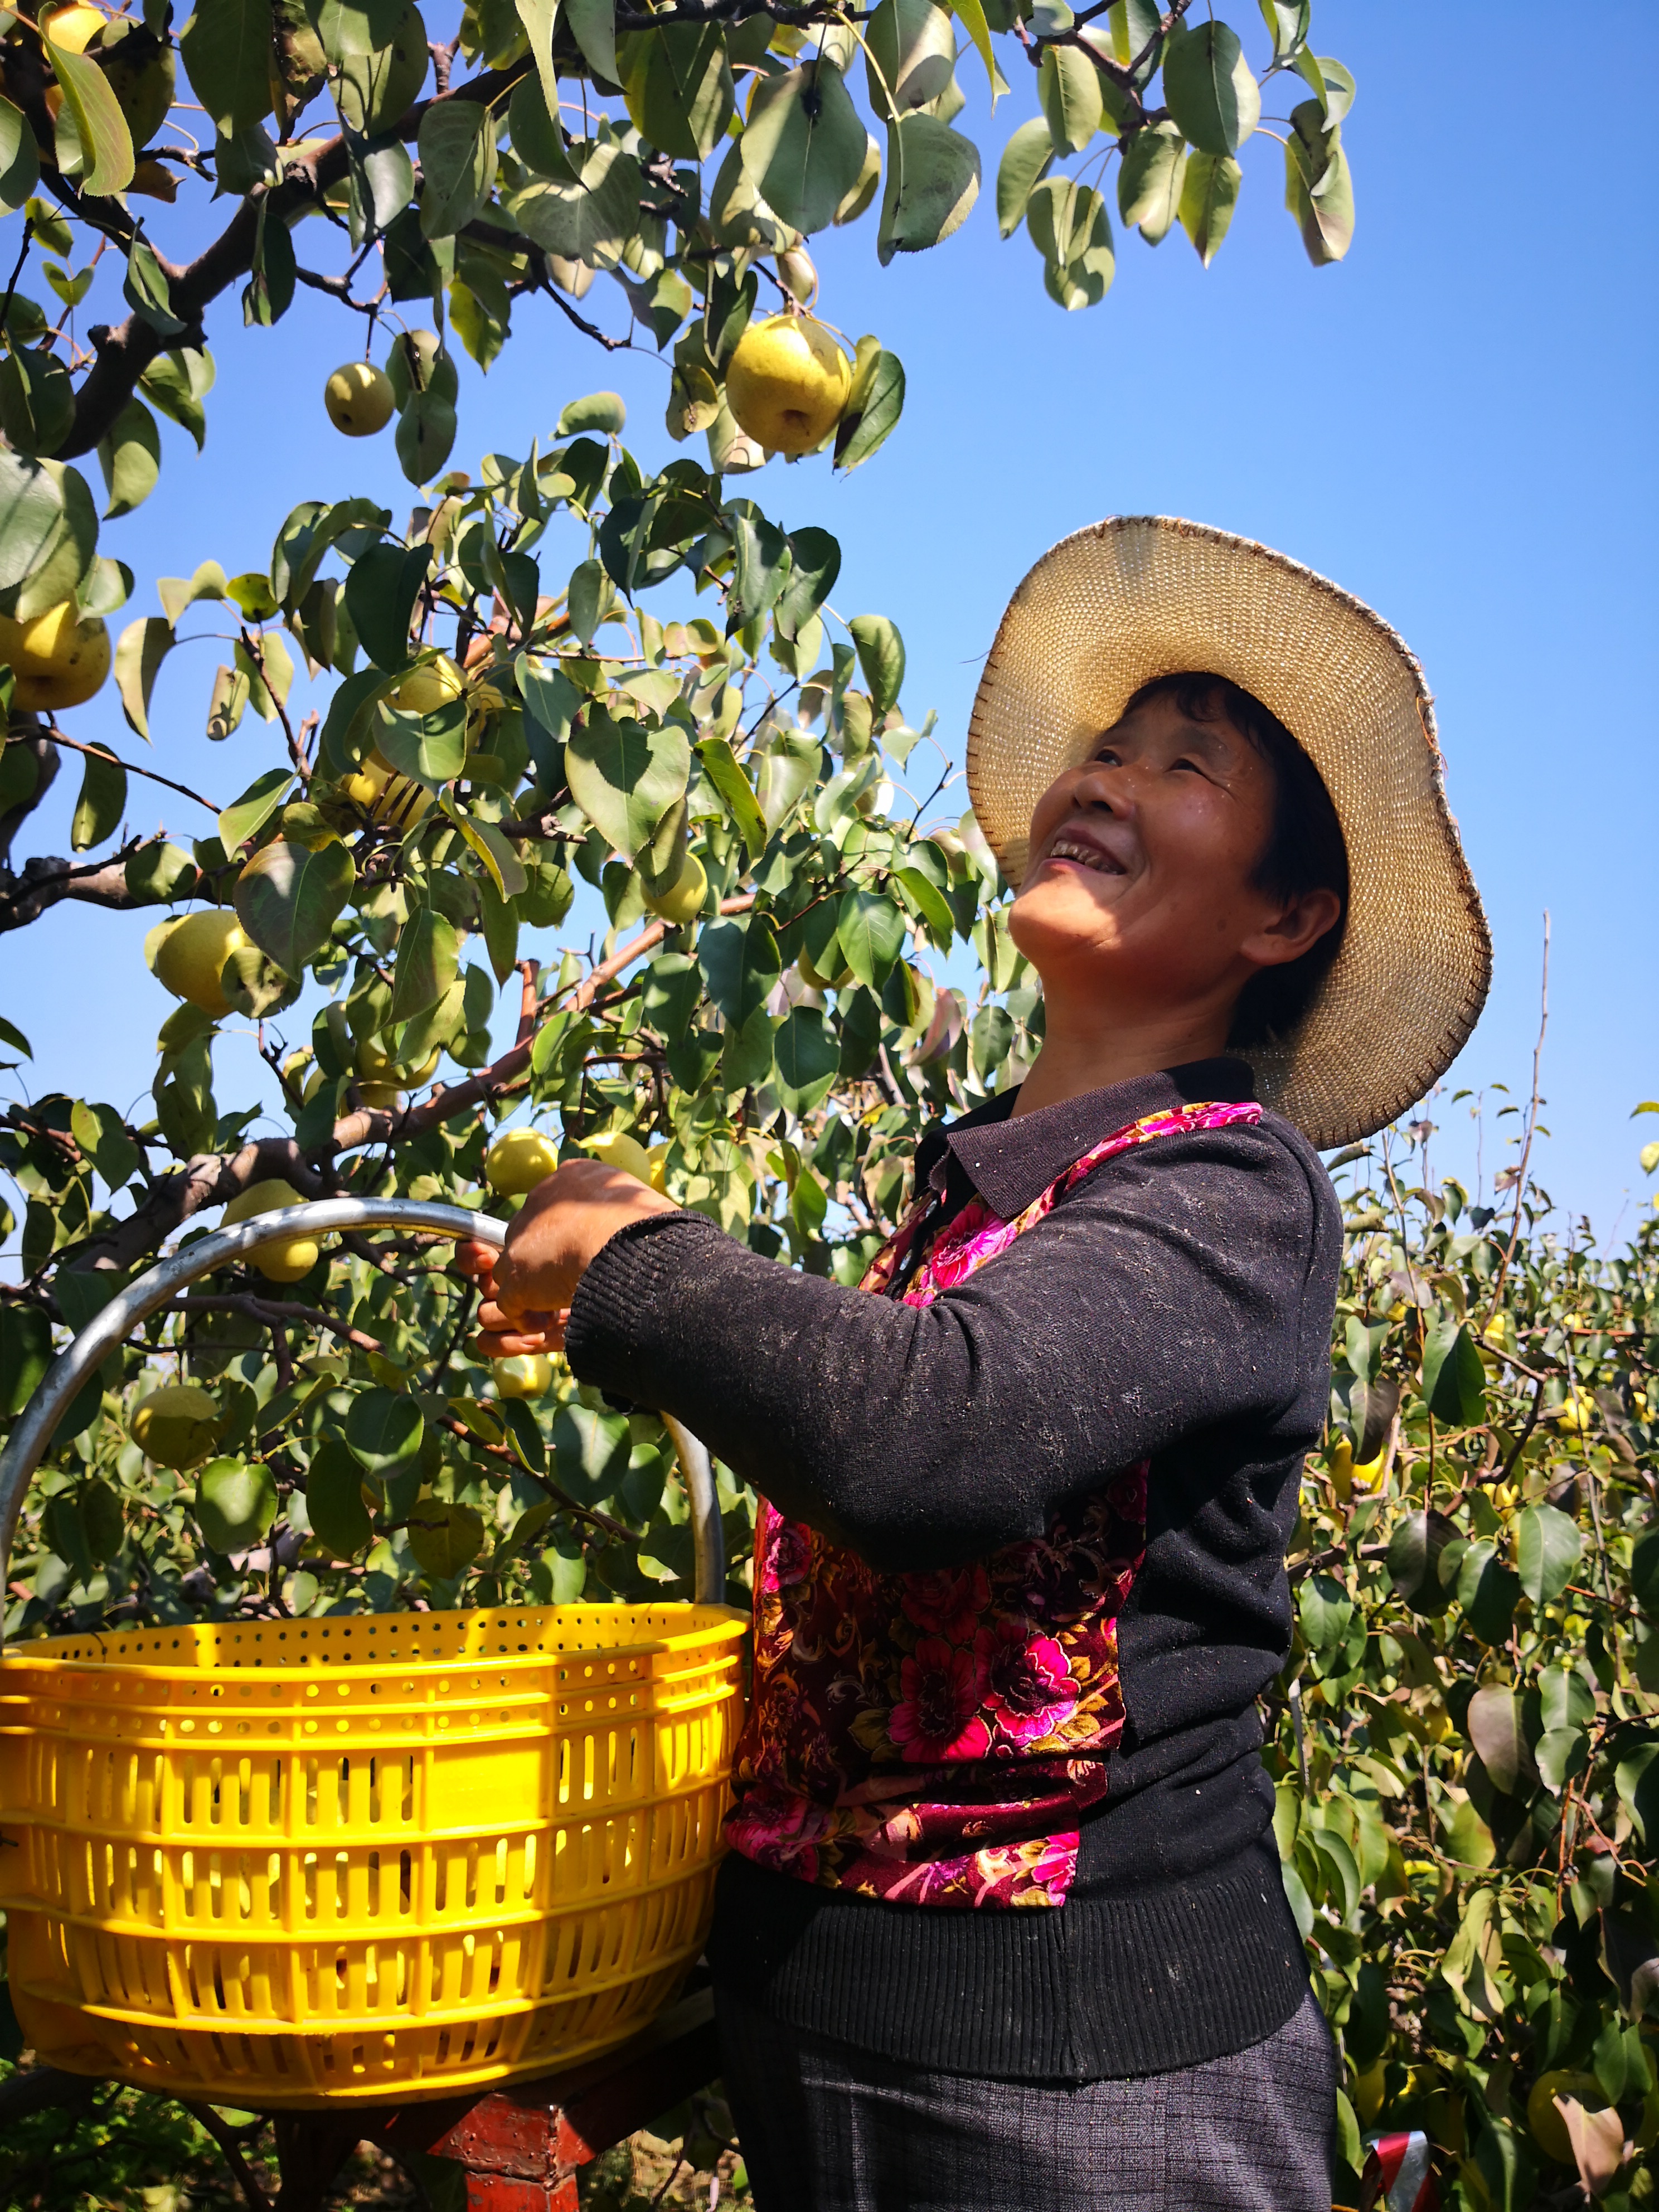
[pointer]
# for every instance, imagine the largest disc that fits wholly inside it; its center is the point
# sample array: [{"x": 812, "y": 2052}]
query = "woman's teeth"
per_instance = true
[{"x": 1086, "y": 856}]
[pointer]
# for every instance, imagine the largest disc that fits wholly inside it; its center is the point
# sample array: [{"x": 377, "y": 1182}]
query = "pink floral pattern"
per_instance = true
[{"x": 933, "y": 1738}]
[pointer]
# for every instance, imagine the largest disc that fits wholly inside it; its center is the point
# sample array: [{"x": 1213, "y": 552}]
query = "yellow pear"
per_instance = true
[
  {"x": 374, "y": 1066},
  {"x": 359, "y": 399},
  {"x": 788, "y": 383},
  {"x": 520, "y": 1159},
  {"x": 56, "y": 660},
  {"x": 527, "y": 1375},
  {"x": 659, "y": 1176},
  {"x": 192, "y": 956},
  {"x": 386, "y": 797},
  {"x": 73, "y": 27},
  {"x": 175, "y": 1425},
  {"x": 618, "y": 1150},
  {"x": 1548, "y": 2129},
  {"x": 278, "y": 1263},
  {"x": 433, "y": 685},
  {"x": 683, "y": 901}
]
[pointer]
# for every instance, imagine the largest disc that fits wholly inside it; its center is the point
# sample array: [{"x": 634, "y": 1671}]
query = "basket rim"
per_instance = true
[{"x": 716, "y": 1624}]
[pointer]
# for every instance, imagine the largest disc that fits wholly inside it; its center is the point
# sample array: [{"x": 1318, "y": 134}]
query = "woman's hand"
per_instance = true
[{"x": 528, "y": 1286}]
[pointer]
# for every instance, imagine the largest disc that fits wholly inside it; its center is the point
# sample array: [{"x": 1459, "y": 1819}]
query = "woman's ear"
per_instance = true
[{"x": 1295, "y": 929}]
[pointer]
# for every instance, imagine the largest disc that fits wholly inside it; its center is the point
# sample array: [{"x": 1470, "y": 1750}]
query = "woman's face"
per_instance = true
[{"x": 1139, "y": 884}]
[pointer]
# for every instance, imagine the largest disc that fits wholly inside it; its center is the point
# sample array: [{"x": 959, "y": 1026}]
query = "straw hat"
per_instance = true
[{"x": 1141, "y": 595}]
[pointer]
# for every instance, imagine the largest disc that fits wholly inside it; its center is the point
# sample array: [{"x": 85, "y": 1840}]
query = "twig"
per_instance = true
[
  {"x": 230, "y": 2151},
  {"x": 23, "y": 255},
  {"x": 1531, "y": 1123},
  {"x": 103, "y": 752}
]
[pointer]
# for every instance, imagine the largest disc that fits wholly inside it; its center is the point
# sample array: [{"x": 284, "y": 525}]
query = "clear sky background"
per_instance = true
[{"x": 1457, "y": 424}]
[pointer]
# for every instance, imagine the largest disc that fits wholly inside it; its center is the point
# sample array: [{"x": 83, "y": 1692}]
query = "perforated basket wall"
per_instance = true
[{"x": 281, "y": 1864}]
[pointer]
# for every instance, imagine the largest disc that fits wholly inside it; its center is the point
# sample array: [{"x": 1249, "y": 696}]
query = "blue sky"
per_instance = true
[{"x": 1457, "y": 423}]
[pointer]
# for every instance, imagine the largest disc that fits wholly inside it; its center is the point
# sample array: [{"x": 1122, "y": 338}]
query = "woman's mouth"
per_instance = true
[{"x": 1083, "y": 854}]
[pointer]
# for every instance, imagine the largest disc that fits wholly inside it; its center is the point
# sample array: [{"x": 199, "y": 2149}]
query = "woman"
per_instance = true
[{"x": 1002, "y": 1923}]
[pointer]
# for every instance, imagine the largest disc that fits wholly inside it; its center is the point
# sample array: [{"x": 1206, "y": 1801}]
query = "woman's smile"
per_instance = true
[{"x": 1078, "y": 843}]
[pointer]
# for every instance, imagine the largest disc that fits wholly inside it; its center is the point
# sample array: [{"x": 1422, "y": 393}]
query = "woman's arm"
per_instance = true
[{"x": 1163, "y": 1297}]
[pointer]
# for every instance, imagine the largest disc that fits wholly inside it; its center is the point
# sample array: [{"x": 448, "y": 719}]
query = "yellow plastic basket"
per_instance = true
[{"x": 283, "y": 1864}]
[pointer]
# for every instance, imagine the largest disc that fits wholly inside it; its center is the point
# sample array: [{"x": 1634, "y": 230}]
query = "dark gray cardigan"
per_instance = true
[{"x": 1176, "y": 1307}]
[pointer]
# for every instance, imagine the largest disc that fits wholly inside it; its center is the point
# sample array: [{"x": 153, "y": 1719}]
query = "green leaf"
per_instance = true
[
  {"x": 539, "y": 17},
  {"x": 624, "y": 776},
  {"x": 383, "y": 1430},
  {"x": 1547, "y": 1549},
  {"x": 679, "y": 90},
  {"x": 429, "y": 748},
  {"x": 1208, "y": 196},
  {"x": 106, "y": 142},
  {"x": 593, "y": 25},
  {"x": 102, "y": 802},
  {"x": 859, "y": 435},
  {"x": 31, "y": 516},
  {"x": 1637, "y": 1780},
  {"x": 871, "y": 932},
  {"x": 20, "y": 160},
  {"x": 1494, "y": 1727},
  {"x": 37, "y": 400},
  {"x": 1068, "y": 88},
  {"x": 12, "y": 1035},
  {"x": 26, "y": 1352},
  {"x": 176, "y": 383},
  {"x": 1026, "y": 159},
  {"x": 428, "y": 960},
  {"x": 814, "y": 565},
  {"x": 1318, "y": 188},
  {"x": 928, "y": 903},
  {"x": 458, "y": 160},
  {"x": 143, "y": 646},
  {"x": 1333, "y": 87},
  {"x": 334, "y": 1500},
  {"x": 803, "y": 146},
  {"x": 881, "y": 656},
  {"x": 1151, "y": 180},
  {"x": 289, "y": 899},
  {"x": 102, "y": 1135},
  {"x": 1210, "y": 89},
  {"x": 721, "y": 766},
  {"x": 741, "y": 961},
  {"x": 1325, "y": 1609},
  {"x": 603, "y": 411},
  {"x": 249, "y": 814},
  {"x": 1414, "y": 1553},
  {"x": 130, "y": 455},
  {"x": 226, "y": 47},
  {"x": 1454, "y": 1381},
  {"x": 933, "y": 181},
  {"x": 1645, "y": 1570},
  {"x": 1487, "y": 1593},
  {"x": 591, "y": 220},
  {"x": 538, "y": 137},
  {"x": 236, "y": 1502},
  {"x": 1288, "y": 24},
  {"x": 591, "y": 1451},
  {"x": 970, "y": 14},
  {"x": 147, "y": 289},
  {"x": 1070, "y": 228},
  {"x": 347, "y": 27},
  {"x": 445, "y": 1538},
  {"x": 380, "y": 591},
  {"x": 375, "y": 91},
  {"x": 807, "y": 1056},
  {"x": 425, "y": 435},
  {"x": 501, "y": 862},
  {"x": 177, "y": 592}
]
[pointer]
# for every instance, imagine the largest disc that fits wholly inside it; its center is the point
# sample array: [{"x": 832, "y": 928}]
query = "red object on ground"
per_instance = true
[
  {"x": 1399, "y": 2175},
  {"x": 522, "y": 2147}
]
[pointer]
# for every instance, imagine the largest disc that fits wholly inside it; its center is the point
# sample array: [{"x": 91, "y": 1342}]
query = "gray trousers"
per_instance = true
[{"x": 825, "y": 2128}]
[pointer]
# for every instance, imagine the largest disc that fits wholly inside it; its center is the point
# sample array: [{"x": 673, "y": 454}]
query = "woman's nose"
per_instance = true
[{"x": 1107, "y": 784}]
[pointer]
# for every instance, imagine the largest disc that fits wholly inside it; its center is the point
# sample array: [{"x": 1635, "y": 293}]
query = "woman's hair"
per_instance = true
[{"x": 1304, "y": 851}]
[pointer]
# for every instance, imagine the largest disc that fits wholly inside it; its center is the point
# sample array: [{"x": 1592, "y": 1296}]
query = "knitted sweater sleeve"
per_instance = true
[{"x": 1164, "y": 1296}]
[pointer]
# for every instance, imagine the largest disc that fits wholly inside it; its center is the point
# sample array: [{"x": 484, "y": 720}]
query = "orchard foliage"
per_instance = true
[{"x": 1465, "y": 1741}]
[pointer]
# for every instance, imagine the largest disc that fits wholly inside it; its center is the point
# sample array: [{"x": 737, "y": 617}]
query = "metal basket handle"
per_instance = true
[{"x": 58, "y": 1385}]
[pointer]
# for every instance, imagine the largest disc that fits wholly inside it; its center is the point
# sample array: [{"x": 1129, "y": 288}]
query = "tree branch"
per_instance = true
[
  {"x": 48, "y": 879},
  {"x": 213, "y": 1179},
  {"x": 125, "y": 352},
  {"x": 103, "y": 752}
]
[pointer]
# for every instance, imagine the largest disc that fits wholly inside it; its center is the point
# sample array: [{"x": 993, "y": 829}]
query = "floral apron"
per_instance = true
[{"x": 934, "y": 1738}]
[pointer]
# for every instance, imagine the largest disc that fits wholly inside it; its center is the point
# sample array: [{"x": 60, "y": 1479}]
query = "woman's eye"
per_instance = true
[{"x": 1107, "y": 758}]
